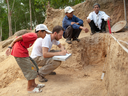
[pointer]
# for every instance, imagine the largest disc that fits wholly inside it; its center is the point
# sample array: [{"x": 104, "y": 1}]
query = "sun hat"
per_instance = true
[
  {"x": 42, "y": 27},
  {"x": 68, "y": 9},
  {"x": 118, "y": 26}
]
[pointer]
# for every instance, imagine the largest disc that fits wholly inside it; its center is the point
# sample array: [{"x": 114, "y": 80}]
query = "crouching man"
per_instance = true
[
  {"x": 97, "y": 20},
  {"x": 43, "y": 54}
]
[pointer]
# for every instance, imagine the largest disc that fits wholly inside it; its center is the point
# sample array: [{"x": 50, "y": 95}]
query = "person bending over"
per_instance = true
[{"x": 18, "y": 49}]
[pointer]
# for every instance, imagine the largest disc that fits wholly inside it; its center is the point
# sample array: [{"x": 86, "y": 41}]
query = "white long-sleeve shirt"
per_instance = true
[{"x": 97, "y": 18}]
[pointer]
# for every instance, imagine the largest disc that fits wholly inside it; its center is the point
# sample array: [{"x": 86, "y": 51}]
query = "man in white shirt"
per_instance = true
[
  {"x": 97, "y": 20},
  {"x": 42, "y": 53}
]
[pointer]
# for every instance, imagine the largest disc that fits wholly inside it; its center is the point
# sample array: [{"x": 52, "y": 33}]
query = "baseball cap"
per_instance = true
[
  {"x": 68, "y": 9},
  {"x": 42, "y": 27}
]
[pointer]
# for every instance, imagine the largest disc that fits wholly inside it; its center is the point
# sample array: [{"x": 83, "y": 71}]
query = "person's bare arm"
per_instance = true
[
  {"x": 8, "y": 51},
  {"x": 47, "y": 54},
  {"x": 77, "y": 23},
  {"x": 109, "y": 19},
  {"x": 16, "y": 40},
  {"x": 62, "y": 48},
  {"x": 72, "y": 23},
  {"x": 84, "y": 29},
  {"x": 88, "y": 20}
]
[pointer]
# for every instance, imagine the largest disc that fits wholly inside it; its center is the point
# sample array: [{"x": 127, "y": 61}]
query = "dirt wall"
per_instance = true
[
  {"x": 90, "y": 50},
  {"x": 117, "y": 67},
  {"x": 102, "y": 49}
]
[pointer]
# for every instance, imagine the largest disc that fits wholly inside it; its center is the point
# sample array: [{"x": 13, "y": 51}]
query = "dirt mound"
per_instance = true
[
  {"x": 10, "y": 73},
  {"x": 80, "y": 74},
  {"x": 21, "y": 32}
]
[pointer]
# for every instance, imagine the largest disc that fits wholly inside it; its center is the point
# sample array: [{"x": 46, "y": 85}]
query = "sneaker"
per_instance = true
[
  {"x": 75, "y": 39},
  {"x": 42, "y": 79},
  {"x": 103, "y": 31},
  {"x": 68, "y": 41},
  {"x": 92, "y": 33},
  {"x": 52, "y": 73}
]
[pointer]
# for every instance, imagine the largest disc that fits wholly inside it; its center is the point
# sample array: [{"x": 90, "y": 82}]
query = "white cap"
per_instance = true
[
  {"x": 42, "y": 27},
  {"x": 68, "y": 9}
]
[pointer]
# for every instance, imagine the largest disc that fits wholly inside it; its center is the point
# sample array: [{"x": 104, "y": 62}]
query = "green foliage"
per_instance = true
[
  {"x": 4, "y": 22},
  {"x": 59, "y": 3}
]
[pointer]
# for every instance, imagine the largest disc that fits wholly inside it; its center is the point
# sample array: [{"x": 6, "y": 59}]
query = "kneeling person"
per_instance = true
[{"x": 42, "y": 54}]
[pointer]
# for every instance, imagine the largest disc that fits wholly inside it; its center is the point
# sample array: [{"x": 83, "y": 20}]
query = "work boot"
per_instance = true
[
  {"x": 75, "y": 39},
  {"x": 68, "y": 41},
  {"x": 92, "y": 33},
  {"x": 52, "y": 73},
  {"x": 42, "y": 79}
]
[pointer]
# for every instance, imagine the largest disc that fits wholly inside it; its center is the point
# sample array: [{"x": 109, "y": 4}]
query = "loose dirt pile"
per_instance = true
[{"x": 80, "y": 74}]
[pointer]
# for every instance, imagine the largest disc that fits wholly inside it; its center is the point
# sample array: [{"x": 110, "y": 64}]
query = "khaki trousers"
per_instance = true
[
  {"x": 28, "y": 68},
  {"x": 48, "y": 64}
]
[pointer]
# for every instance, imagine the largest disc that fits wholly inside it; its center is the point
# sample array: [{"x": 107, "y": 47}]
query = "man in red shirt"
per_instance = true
[{"x": 18, "y": 49}]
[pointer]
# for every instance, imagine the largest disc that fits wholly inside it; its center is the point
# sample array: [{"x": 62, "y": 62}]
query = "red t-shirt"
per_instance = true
[{"x": 20, "y": 48}]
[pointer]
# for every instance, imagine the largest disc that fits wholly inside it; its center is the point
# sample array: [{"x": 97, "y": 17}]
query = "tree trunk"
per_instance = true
[
  {"x": 35, "y": 16},
  {"x": 30, "y": 15},
  {"x": 125, "y": 15},
  {"x": 9, "y": 20},
  {"x": 1, "y": 32},
  {"x": 15, "y": 26}
]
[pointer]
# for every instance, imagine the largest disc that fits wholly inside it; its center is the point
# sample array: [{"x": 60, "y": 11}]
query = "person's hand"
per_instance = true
[
  {"x": 109, "y": 19},
  {"x": 72, "y": 23},
  {"x": 85, "y": 29},
  {"x": 63, "y": 52},
  {"x": 88, "y": 20},
  {"x": 8, "y": 51},
  {"x": 77, "y": 23},
  {"x": 67, "y": 51}
]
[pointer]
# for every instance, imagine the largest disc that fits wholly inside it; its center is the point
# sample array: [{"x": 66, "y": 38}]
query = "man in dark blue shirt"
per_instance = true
[{"x": 72, "y": 25}]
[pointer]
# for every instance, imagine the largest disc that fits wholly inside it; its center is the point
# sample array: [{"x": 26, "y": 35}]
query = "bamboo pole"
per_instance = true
[{"x": 125, "y": 15}]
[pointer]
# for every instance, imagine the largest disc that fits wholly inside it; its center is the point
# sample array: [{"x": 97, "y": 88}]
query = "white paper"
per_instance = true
[{"x": 61, "y": 57}]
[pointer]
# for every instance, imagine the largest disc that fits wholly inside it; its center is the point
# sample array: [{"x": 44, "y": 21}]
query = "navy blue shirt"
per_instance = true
[{"x": 67, "y": 21}]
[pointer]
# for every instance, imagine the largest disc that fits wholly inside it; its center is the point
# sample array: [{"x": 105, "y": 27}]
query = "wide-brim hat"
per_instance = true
[{"x": 118, "y": 26}]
